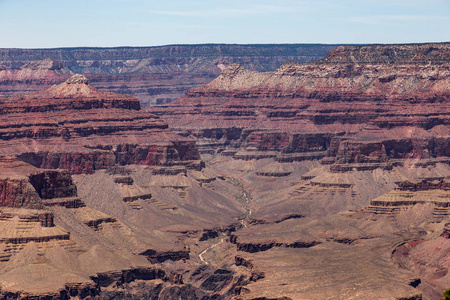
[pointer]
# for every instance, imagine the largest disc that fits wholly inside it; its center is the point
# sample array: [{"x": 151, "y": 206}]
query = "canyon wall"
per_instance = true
[
  {"x": 74, "y": 126},
  {"x": 117, "y": 189},
  {"x": 359, "y": 105},
  {"x": 152, "y": 74}
]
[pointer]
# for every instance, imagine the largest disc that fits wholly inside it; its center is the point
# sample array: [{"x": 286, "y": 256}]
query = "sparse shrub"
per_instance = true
[{"x": 446, "y": 295}]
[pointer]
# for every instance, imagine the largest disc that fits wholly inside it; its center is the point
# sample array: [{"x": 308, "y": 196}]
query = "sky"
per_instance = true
[{"x": 112, "y": 23}]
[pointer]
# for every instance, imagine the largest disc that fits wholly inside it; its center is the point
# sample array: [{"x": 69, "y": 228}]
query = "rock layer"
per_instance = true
[
  {"x": 152, "y": 74},
  {"x": 353, "y": 110},
  {"x": 287, "y": 153},
  {"x": 73, "y": 126}
]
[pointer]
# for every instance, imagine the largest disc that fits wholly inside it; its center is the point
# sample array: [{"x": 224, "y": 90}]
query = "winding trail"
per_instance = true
[{"x": 206, "y": 250}]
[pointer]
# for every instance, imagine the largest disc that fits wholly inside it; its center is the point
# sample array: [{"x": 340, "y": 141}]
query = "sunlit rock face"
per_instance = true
[
  {"x": 74, "y": 126},
  {"x": 319, "y": 180},
  {"x": 154, "y": 75},
  {"x": 358, "y": 105}
]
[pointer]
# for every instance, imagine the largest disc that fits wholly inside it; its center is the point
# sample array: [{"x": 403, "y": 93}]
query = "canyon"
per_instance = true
[
  {"x": 313, "y": 180},
  {"x": 154, "y": 75},
  {"x": 364, "y": 130}
]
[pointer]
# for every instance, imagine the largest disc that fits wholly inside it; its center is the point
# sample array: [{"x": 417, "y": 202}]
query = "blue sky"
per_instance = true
[{"x": 109, "y": 23}]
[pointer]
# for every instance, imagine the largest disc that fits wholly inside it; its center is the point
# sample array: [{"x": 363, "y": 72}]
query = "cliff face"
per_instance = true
[
  {"x": 76, "y": 127},
  {"x": 438, "y": 53},
  {"x": 66, "y": 219},
  {"x": 360, "y": 105},
  {"x": 333, "y": 83},
  {"x": 152, "y": 74},
  {"x": 104, "y": 58},
  {"x": 286, "y": 153},
  {"x": 32, "y": 76},
  {"x": 22, "y": 185}
]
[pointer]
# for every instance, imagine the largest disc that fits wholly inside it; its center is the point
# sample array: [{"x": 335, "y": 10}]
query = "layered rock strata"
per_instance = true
[
  {"x": 408, "y": 194},
  {"x": 23, "y": 185},
  {"x": 26, "y": 195},
  {"x": 434, "y": 53},
  {"x": 284, "y": 194},
  {"x": 356, "y": 113},
  {"x": 154, "y": 75},
  {"x": 73, "y": 126},
  {"x": 32, "y": 76}
]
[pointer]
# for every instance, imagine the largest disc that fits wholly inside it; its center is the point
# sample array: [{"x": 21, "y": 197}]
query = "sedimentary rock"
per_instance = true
[
  {"x": 446, "y": 231},
  {"x": 359, "y": 111},
  {"x": 73, "y": 126},
  {"x": 32, "y": 76},
  {"x": 408, "y": 194},
  {"x": 287, "y": 153},
  {"x": 23, "y": 185},
  {"x": 428, "y": 53},
  {"x": 154, "y": 75},
  {"x": 158, "y": 257}
]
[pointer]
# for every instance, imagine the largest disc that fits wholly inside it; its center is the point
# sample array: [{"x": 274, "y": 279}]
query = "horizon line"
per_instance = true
[{"x": 223, "y": 44}]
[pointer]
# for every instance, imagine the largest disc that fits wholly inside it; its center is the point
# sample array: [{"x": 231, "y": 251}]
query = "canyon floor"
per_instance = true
[{"x": 226, "y": 232}]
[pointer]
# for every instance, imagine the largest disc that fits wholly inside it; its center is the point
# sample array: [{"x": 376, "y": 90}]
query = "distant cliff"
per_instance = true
[
  {"x": 152, "y": 74},
  {"x": 433, "y": 53},
  {"x": 192, "y": 58}
]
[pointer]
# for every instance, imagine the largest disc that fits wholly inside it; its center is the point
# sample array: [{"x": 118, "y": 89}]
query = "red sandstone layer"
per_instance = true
[
  {"x": 76, "y": 127},
  {"x": 357, "y": 112}
]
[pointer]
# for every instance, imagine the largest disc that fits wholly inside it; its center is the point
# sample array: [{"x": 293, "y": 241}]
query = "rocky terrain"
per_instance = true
[
  {"x": 76, "y": 127},
  {"x": 361, "y": 128},
  {"x": 77, "y": 192},
  {"x": 32, "y": 76},
  {"x": 362, "y": 114},
  {"x": 152, "y": 74},
  {"x": 325, "y": 180}
]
